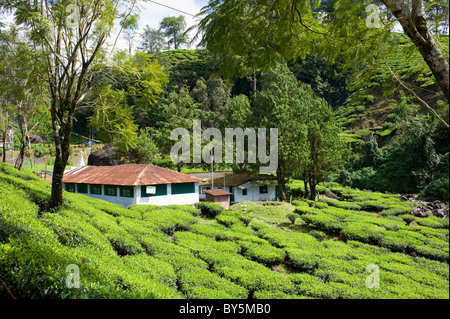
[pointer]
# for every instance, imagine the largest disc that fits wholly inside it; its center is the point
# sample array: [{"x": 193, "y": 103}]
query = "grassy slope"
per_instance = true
[{"x": 251, "y": 252}]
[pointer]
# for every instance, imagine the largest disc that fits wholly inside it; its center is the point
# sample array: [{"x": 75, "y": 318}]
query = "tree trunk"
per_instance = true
[
  {"x": 19, "y": 161},
  {"x": 305, "y": 184},
  {"x": 312, "y": 186},
  {"x": 415, "y": 27},
  {"x": 62, "y": 145},
  {"x": 4, "y": 132},
  {"x": 4, "y": 145},
  {"x": 281, "y": 185}
]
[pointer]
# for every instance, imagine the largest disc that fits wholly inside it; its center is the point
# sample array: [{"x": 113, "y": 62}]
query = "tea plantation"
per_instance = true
[{"x": 257, "y": 250}]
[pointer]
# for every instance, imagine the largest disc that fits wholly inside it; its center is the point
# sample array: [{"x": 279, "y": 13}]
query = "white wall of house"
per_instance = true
[
  {"x": 253, "y": 193},
  {"x": 169, "y": 199},
  {"x": 124, "y": 201}
]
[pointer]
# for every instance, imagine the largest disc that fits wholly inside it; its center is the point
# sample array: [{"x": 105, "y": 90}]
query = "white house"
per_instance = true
[
  {"x": 134, "y": 184},
  {"x": 242, "y": 186}
]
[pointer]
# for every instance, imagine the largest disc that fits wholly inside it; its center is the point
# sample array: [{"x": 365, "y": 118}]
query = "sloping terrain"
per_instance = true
[{"x": 254, "y": 251}]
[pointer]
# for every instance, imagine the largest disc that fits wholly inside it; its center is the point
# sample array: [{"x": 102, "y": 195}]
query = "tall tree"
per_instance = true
[
  {"x": 308, "y": 136},
  {"x": 152, "y": 41},
  {"x": 69, "y": 43},
  {"x": 327, "y": 151},
  {"x": 136, "y": 86},
  {"x": 278, "y": 105},
  {"x": 19, "y": 83},
  {"x": 174, "y": 30},
  {"x": 178, "y": 110}
]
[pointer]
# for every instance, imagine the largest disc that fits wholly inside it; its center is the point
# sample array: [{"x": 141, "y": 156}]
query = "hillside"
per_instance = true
[
  {"x": 322, "y": 249},
  {"x": 378, "y": 103}
]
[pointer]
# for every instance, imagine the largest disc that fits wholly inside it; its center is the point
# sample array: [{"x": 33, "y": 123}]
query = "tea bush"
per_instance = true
[
  {"x": 154, "y": 268},
  {"x": 187, "y": 208},
  {"x": 340, "y": 204},
  {"x": 173, "y": 252},
  {"x": 202, "y": 284},
  {"x": 209, "y": 209},
  {"x": 430, "y": 223},
  {"x": 262, "y": 253},
  {"x": 292, "y": 217},
  {"x": 197, "y": 243},
  {"x": 227, "y": 220},
  {"x": 363, "y": 232},
  {"x": 324, "y": 222},
  {"x": 252, "y": 275},
  {"x": 267, "y": 294},
  {"x": 169, "y": 220}
]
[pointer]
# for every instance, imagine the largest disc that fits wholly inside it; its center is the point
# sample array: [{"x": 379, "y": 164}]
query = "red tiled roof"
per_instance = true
[
  {"x": 127, "y": 175},
  {"x": 217, "y": 192}
]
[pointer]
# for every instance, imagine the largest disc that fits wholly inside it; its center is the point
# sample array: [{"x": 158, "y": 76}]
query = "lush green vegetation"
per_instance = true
[{"x": 251, "y": 251}]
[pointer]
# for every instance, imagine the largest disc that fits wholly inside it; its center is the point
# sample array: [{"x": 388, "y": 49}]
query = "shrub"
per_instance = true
[
  {"x": 438, "y": 188},
  {"x": 179, "y": 257},
  {"x": 170, "y": 220},
  {"x": 268, "y": 294},
  {"x": 429, "y": 223},
  {"x": 262, "y": 253},
  {"x": 156, "y": 269},
  {"x": 323, "y": 222},
  {"x": 301, "y": 210},
  {"x": 303, "y": 260},
  {"x": 318, "y": 234},
  {"x": 209, "y": 209},
  {"x": 292, "y": 217},
  {"x": 363, "y": 232},
  {"x": 300, "y": 203},
  {"x": 76, "y": 232},
  {"x": 187, "y": 208},
  {"x": 340, "y": 204},
  {"x": 407, "y": 218},
  {"x": 252, "y": 275},
  {"x": 284, "y": 239},
  {"x": 395, "y": 210},
  {"x": 197, "y": 243},
  {"x": 198, "y": 283},
  {"x": 227, "y": 220},
  {"x": 320, "y": 205},
  {"x": 311, "y": 286}
]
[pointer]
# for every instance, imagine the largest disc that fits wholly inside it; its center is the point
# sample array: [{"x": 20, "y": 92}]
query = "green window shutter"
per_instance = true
[
  {"x": 110, "y": 190},
  {"x": 126, "y": 191},
  {"x": 82, "y": 188},
  {"x": 70, "y": 188},
  {"x": 183, "y": 188},
  {"x": 95, "y": 189},
  {"x": 161, "y": 190}
]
